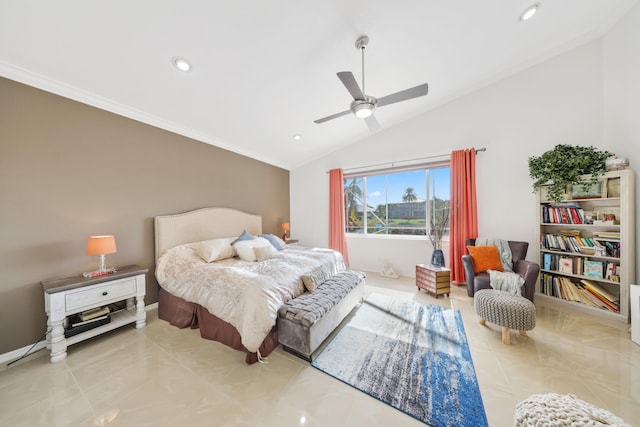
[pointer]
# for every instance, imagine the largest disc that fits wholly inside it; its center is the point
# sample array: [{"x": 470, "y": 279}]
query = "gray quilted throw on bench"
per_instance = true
[{"x": 309, "y": 307}]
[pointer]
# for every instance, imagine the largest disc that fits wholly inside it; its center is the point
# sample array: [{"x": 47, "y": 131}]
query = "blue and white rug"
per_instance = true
[{"x": 410, "y": 355}]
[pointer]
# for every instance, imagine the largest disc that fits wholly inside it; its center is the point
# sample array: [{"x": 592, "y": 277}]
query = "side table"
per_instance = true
[
  {"x": 65, "y": 297},
  {"x": 433, "y": 279}
]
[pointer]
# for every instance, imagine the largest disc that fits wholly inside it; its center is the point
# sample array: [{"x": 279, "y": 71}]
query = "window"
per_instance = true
[{"x": 398, "y": 202}]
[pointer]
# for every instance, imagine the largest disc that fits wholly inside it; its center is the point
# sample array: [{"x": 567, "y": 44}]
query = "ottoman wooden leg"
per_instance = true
[
  {"x": 483, "y": 321},
  {"x": 506, "y": 336},
  {"x": 523, "y": 333}
]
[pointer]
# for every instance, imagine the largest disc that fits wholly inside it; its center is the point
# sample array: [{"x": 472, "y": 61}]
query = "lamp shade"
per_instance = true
[
  {"x": 101, "y": 245},
  {"x": 285, "y": 226}
]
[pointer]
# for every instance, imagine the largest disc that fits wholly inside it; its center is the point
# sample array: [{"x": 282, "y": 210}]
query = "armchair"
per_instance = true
[{"x": 527, "y": 269}]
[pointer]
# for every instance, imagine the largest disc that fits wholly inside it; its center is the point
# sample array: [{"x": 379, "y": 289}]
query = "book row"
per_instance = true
[
  {"x": 582, "y": 267},
  {"x": 584, "y": 292},
  {"x": 562, "y": 215},
  {"x": 578, "y": 244}
]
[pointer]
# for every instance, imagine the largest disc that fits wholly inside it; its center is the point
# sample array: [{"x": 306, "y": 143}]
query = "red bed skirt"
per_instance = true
[{"x": 182, "y": 314}]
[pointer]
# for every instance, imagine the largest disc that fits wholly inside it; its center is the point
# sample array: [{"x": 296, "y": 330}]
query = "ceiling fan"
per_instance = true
[{"x": 364, "y": 105}]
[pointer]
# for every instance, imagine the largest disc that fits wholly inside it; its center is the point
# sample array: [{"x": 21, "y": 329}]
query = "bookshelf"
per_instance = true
[{"x": 587, "y": 246}]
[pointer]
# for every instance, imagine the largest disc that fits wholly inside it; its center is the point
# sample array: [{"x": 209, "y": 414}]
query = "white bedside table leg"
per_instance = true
[
  {"x": 141, "y": 315},
  {"x": 57, "y": 342}
]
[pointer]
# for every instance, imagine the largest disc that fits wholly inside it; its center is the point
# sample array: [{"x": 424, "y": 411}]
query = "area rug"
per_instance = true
[{"x": 410, "y": 355}]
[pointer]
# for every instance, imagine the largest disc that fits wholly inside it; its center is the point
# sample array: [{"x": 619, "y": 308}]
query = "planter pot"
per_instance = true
[{"x": 437, "y": 258}]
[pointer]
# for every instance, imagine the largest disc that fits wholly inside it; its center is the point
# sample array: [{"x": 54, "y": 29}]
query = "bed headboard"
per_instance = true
[{"x": 202, "y": 224}]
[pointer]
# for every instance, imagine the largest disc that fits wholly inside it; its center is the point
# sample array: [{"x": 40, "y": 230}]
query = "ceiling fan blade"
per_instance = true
[
  {"x": 333, "y": 116},
  {"x": 372, "y": 123},
  {"x": 403, "y": 95},
  {"x": 350, "y": 83}
]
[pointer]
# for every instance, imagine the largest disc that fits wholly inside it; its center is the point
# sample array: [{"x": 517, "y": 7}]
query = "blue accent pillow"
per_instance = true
[
  {"x": 272, "y": 239},
  {"x": 244, "y": 236}
]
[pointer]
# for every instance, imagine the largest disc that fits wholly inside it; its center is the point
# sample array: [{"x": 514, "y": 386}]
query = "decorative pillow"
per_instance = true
[
  {"x": 282, "y": 242},
  {"x": 485, "y": 258},
  {"x": 245, "y": 248},
  {"x": 315, "y": 278},
  {"x": 244, "y": 236},
  {"x": 215, "y": 249},
  {"x": 266, "y": 252},
  {"x": 273, "y": 240}
]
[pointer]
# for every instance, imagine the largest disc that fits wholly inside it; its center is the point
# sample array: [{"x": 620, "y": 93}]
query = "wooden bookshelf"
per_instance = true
[{"x": 589, "y": 236}]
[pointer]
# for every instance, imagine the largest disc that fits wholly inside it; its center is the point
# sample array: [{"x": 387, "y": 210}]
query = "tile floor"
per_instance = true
[{"x": 163, "y": 376}]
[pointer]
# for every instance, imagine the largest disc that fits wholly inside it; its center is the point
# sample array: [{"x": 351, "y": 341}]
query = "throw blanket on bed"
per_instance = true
[
  {"x": 245, "y": 294},
  {"x": 506, "y": 257}
]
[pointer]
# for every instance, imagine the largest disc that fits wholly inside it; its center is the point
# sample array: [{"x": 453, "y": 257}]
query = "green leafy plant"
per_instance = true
[{"x": 565, "y": 165}]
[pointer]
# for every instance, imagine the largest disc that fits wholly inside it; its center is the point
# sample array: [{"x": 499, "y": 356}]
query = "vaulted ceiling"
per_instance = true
[{"x": 263, "y": 71}]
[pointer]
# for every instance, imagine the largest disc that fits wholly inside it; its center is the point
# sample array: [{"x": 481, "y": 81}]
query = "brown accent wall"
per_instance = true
[{"x": 68, "y": 171}]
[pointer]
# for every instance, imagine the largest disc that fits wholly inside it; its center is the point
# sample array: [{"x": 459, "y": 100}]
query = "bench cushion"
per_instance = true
[{"x": 308, "y": 308}]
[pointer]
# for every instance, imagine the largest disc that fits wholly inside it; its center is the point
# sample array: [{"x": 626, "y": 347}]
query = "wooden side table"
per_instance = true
[
  {"x": 65, "y": 297},
  {"x": 433, "y": 279}
]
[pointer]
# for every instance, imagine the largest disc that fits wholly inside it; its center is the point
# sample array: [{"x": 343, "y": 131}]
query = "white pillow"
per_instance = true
[
  {"x": 245, "y": 248},
  {"x": 263, "y": 253},
  {"x": 215, "y": 249}
]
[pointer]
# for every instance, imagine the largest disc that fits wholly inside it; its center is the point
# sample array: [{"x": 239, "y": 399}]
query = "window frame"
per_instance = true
[{"x": 427, "y": 167}]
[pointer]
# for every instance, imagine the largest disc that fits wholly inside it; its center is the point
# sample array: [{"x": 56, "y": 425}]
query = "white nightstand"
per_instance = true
[{"x": 65, "y": 297}]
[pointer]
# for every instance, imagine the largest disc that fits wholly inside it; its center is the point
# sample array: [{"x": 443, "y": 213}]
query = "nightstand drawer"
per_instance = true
[{"x": 101, "y": 294}]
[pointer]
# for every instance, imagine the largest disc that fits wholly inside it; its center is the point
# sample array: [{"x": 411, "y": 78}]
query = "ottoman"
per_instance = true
[
  {"x": 556, "y": 410},
  {"x": 506, "y": 310}
]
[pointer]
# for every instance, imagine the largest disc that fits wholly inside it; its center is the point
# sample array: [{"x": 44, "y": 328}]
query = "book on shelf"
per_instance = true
[
  {"x": 93, "y": 313},
  {"x": 599, "y": 290},
  {"x": 80, "y": 326},
  {"x": 592, "y": 269},
  {"x": 608, "y": 234},
  {"x": 565, "y": 265}
]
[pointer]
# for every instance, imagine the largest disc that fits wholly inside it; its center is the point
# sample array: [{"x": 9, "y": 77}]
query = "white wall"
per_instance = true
[
  {"x": 622, "y": 97},
  {"x": 560, "y": 101}
]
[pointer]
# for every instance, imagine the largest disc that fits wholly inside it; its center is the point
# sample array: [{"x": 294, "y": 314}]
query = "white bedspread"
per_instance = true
[{"x": 245, "y": 294}]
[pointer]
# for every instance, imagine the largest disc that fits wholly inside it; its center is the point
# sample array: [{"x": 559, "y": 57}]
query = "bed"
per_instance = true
[{"x": 199, "y": 294}]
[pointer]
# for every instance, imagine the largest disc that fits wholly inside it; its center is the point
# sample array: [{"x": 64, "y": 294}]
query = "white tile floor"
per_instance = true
[{"x": 163, "y": 376}]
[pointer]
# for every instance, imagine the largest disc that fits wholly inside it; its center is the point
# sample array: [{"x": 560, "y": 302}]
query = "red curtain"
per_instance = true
[
  {"x": 464, "y": 208},
  {"x": 337, "y": 236}
]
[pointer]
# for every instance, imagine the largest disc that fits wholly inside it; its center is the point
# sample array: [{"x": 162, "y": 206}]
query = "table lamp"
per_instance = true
[
  {"x": 101, "y": 245},
  {"x": 285, "y": 227}
]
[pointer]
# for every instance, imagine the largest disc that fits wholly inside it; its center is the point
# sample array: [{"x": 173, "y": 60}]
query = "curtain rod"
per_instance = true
[{"x": 405, "y": 161}]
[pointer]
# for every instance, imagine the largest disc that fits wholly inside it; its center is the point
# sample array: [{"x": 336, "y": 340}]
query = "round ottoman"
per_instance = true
[
  {"x": 506, "y": 310},
  {"x": 556, "y": 410}
]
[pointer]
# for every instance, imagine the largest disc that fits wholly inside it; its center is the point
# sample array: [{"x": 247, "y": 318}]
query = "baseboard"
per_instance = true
[{"x": 18, "y": 353}]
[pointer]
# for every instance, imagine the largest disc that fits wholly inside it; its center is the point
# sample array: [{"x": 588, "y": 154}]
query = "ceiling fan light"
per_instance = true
[{"x": 363, "y": 110}]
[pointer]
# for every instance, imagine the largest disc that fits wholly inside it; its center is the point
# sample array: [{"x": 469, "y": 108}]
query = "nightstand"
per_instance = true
[
  {"x": 65, "y": 297},
  {"x": 435, "y": 280},
  {"x": 291, "y": 242}
]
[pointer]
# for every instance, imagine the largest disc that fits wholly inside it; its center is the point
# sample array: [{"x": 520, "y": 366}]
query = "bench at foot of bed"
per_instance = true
[{"x": 306, "y": 321}]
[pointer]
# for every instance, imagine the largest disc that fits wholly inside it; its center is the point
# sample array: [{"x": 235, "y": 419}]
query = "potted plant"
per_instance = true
[
  {"x": 438, "y": 224},
  {"x": 565, "y": 165}
]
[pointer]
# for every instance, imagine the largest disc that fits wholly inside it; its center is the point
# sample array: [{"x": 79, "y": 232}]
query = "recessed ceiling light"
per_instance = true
[
  {"x": 297, "y": 137},
  {"x": 181, "y": 63},
  {"x": 529, "y": 12}
]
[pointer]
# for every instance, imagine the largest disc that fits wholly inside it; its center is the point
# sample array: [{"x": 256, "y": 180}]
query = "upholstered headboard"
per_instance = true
[{"x": 202, "y": 224}]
